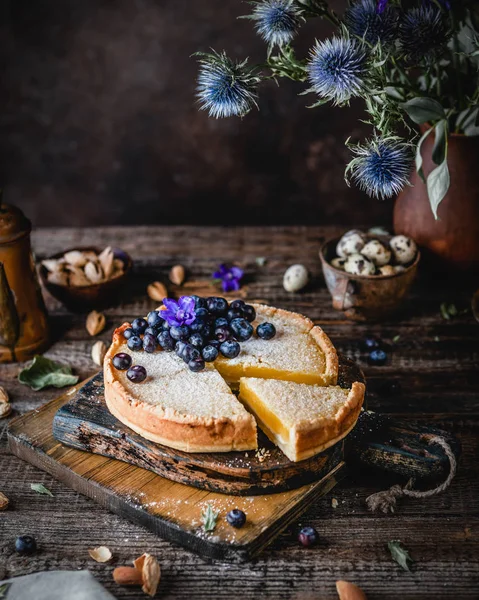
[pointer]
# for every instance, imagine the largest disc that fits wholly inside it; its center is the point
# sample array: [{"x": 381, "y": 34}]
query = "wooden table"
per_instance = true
[{"x": 433, "y": 359}]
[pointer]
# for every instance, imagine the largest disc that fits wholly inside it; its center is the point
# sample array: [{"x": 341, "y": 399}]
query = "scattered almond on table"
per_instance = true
[
  {"x": 95, "y": 322},
  {"x": 5, "y": 406},
  {"x": 349, "y": 591},
  {"x": 146, "y": 572},
  {"x": 157, "y": 291},
  {"x": 81, "y": 268},
  {"x": 98, "y": 352},
  {"x": 177, "y": 274},
  {"x": 3, "y": 502}
]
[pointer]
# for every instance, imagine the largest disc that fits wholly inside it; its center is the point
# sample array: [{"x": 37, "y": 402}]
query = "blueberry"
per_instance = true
[
  {"x": 234, "y": 314},
  {"x": 196, "y": 340},
  {"x": 189, "y": 352},
  {"x": 166, "y": 341},
  {"x": 149, "y": 342},
  {"x": 249, "y": 312},
  {"x": 215, "y": 343},
  {"x": 370, "y": 343},
  {"x": 236, "y": 518},
  {"x": 196, "y": 364},
  {"x": 242, "y": 330},
  {"x": 202, "y": 313},
  {"x": 222, "y": 333},
  {"x": 121, "y": 361},
  {"x": 221, "y": 322},
  {"x": 136, "y": 374},
  {"x": 179, "y": 347},
  {"x": 25, "y": 544},
  {"x": 197, "y": 326},
  {"x": 135, "y": 343},
  {"x": 179, "y": 333},
  {"x": 217, "y": 306},
  {"x": 230, "y": 349},
  {"x": 377, "y": 357},
  {"x": 237, "y": 304},
  {"x": 209, "y": 353},
  {"x": 128, "y": 333},
  {"x": 139, "y": 325},
  {"x": 165, "y": 325},
  {"x": 308, "y": 536},
  {"x": 154, "y": 319},
  {"x": 199, "y": 302},
  {"x": 152, "y": 331},
  {"x": 266, "y": 331}
]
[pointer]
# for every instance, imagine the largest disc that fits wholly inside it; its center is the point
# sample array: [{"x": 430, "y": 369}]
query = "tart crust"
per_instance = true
[{"x": 190, "y": 433}]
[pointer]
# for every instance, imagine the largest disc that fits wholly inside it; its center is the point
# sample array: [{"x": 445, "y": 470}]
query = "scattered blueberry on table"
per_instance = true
[
  {"x": 308, "y": 536},
  {"x": 25, "y": 545},
  {"x": 197, "y": 329},
  {"x": 236, "y": 518},
  {"x": 377, "y": 357}
]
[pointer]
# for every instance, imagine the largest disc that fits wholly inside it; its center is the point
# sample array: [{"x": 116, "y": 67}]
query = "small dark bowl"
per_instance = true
[
  {"x": 94, "y": 296},
  {"x": 365, "y": 297}
]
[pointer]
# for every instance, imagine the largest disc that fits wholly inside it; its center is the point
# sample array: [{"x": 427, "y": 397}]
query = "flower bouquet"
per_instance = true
[{"x": 413, "y": 63}]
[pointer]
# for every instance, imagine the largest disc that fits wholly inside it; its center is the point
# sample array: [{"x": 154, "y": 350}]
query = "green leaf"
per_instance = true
[
  {"x": 4, "y": 589},
  {"x": 469, "y": 121},
  {"x": 440, "y": 142},
  {"x": 399, "y": 554},
  {"x": 209, "y": 518},
  {"x": 41, "y": 489},
  {"x": 43, "y": 372},
  {"x": 419, "y": 170},
  {"x": 423, "y": 110},
  {"x": 260, "y": 261},
  {"x": 438, "y": 182},
  {"x": 396, "y": 338}
]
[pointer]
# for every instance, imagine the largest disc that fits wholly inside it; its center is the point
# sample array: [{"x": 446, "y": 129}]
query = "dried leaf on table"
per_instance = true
[
  {"x": 43, "y": 372},
  {"x": 209, "y": 518},
  {"x": 399, "y": 554},
  {"x": 41, "y": 489}
]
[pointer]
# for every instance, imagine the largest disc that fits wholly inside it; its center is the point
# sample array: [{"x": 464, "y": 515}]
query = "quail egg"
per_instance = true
[
  {"x": 295, "y": 278},
  {"x": 351, "y": 243},
  {"x": 404, "y": 249},
  {"x": 357, "y": 264},
  {"x": 377, "y": 253},
  {"x": 338, "y": 263}
]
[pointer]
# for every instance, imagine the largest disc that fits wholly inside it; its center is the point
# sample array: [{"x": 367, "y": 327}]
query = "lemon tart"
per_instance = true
[
  {"x": 302, "y": 419},
  {"x": 193, "y": 412},
  {"x": 299, "y": 352}
]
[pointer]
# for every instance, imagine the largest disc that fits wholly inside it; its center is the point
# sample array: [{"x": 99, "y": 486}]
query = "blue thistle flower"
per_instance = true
[
  {"x": 338, "y": 68},
  {"x": 423, "y": 33},
  {"x": 277, "y": 21},
  {"x": 364, "y": 20},
  {"x": 381, "y": 167},
  {"x": 225, "y": 88},
  {"x": 381, "y": 5}
]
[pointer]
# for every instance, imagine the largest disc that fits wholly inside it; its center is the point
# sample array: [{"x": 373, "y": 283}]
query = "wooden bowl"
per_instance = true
[
  {"x": 365, "y": 297},
  {"x": 94, "y": 296}
]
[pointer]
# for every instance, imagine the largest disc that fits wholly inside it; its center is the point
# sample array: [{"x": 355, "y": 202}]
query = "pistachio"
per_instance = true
[
  {"x": 51, "y": 264},
  {"x": 4, "y": 396},
  {"x": 58, "y": 277},
  {"x": 295, "y": 278},
  {"x": 95, "y": 323},
  {"x": 94, "y": 271},
  {"x": 157, "y": 291},
  {"x": 106, "y": 259},
  {"x": 127, "y": 576},
  {"x": 387, "y": 270},
  {"x": 75, "y": 258},
  {"x": 3, "y": 501},
  {"x": 150, "y": 572},
  {"x": 102, "y": 554},
  {"x": 77, "y": 277},
  {"x": 98, "y": 351},
  {"x": 5, "y": 409},
  {"x": 177, "y": 274}
]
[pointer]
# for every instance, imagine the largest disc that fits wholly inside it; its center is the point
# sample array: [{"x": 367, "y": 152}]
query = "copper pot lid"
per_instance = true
[{"x": 13, "y": 223}]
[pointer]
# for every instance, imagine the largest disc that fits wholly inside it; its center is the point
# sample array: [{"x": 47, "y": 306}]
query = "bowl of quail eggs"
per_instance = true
[{"x": 369, "y": 273}]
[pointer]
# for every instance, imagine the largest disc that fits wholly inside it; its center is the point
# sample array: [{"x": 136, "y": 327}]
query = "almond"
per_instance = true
[
  {"x": 3, "y": 501},
  {"x": 98, "y": 351},
  {"x": 95, "y": 323},
  {"x": 349, "y": 591},
  {"x": 150, "y": 571},
  {"x": 127, "y": 576},
  {"x": 157, "y": 291},
  {"x": 5, "y": 409},
  {"x": 177, "y": 274},
  {"x": 4, "y": 395}
]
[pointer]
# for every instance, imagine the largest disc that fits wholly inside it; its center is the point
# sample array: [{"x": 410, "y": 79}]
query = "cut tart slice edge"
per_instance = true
[{"x": 301, "y": 419}]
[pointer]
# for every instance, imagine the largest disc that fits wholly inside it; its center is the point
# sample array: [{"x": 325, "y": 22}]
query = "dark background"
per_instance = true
[{"x": 99, "y": 123}]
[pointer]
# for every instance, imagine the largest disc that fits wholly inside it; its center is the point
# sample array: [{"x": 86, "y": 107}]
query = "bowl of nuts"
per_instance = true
[
  {"x": 85, "y": 278},
  {"x": 369, "y": 274}
]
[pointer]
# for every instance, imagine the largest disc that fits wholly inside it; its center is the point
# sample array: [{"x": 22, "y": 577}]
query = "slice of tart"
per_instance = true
[
  {"x": 193, "y": 412},
  {"x": 302, "y": 419},
  {"x": 299, "y": 352}
]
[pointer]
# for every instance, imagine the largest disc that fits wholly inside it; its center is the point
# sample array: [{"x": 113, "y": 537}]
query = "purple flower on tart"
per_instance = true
[
  {"x": 179, "y": 313},
  {"x": 229, "y": 276}
]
